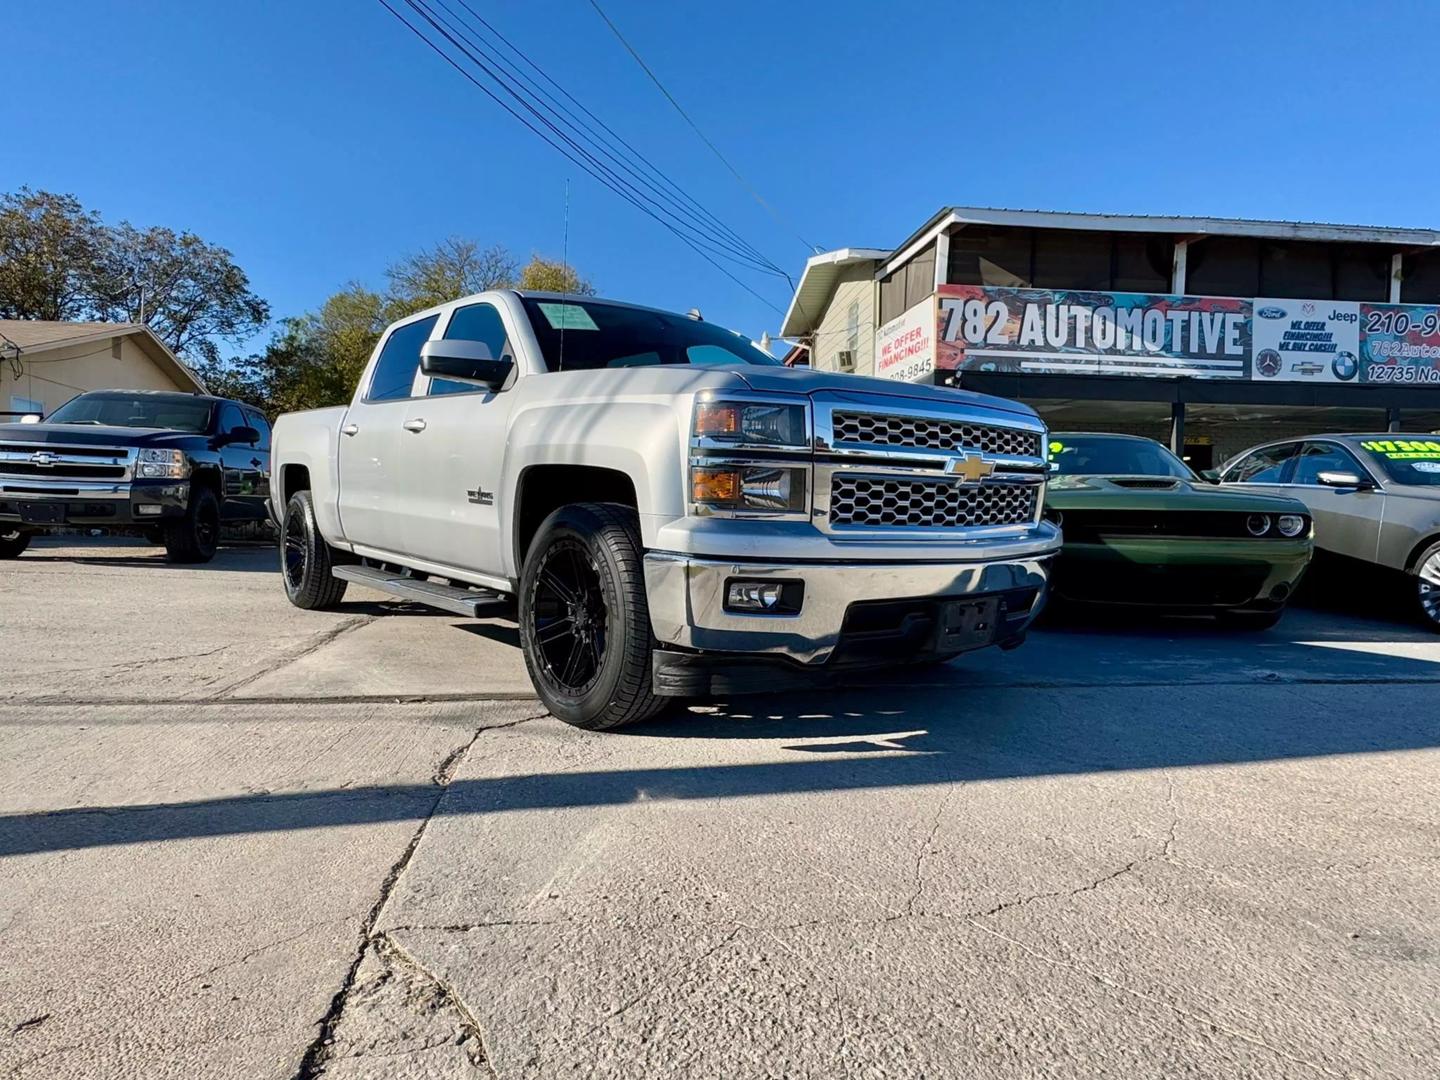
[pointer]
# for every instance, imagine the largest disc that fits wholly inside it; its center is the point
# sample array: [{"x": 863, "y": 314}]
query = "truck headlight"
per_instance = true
[
  {"x": 749, "y": 487},
  {"x": 751, "y": 423},
  {"x": 153, "y": 464}
]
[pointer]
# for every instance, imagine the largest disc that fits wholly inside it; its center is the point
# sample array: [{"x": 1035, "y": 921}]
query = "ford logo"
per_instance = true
[{"x": 1271, "y": 312}]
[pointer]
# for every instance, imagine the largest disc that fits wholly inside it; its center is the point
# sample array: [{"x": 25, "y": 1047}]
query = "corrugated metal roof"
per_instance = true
[{"x": 817, "y": 282}]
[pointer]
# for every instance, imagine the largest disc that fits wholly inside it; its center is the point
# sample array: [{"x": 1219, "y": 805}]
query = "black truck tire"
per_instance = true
[
  {"x": 306, "y": 560},
  {"x": 585, "y": 620},
  {"x": 13, "y": 542},
  {"x": 195, "y": 537}
]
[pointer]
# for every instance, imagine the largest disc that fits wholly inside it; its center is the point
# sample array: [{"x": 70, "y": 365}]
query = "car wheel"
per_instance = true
[
  {"x": 1427, "y": 586},
  {"x": 194, "y": 538},
  {"x": 584, "y": 618},
  {"x": 1251, "y": 620},
  {"x": 306, "y": 560},
  {"x": 13, "y": 542}
]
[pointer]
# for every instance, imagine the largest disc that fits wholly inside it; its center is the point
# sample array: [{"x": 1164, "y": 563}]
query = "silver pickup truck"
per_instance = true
[{"x": 667, "y": 510}]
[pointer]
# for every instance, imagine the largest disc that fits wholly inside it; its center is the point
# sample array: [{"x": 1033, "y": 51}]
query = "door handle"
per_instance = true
[
  {"x": 350, "y": 429},
  {"x": 417, "y": 425}
]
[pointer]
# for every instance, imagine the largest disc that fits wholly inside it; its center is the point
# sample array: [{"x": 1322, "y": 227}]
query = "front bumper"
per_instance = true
[
  {"x": 845, "y": 606},
  {"x": 131, "y": 503},
  {"x": 1180, "y": 573}
]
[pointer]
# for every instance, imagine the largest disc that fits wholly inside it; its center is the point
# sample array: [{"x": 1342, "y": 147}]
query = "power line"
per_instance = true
[
  {"x": 696, "y": 128},
  {"x": 566, "y": 144}
]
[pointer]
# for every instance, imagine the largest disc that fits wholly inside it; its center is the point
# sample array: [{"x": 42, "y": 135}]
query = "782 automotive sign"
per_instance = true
[{"x": 1400, "y": 343}]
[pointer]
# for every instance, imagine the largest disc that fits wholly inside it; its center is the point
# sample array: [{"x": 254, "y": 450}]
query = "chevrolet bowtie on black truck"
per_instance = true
[{"x": 167, "y": 466}]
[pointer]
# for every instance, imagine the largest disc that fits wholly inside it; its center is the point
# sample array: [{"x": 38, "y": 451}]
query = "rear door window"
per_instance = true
[
  {"x": 1323, "y": 457},
  {"x": 1264, "y": 466},
  {"x": 399, "y": 360}
]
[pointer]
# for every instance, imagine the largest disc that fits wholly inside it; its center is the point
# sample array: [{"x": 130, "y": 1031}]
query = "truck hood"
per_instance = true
[
  {"x": 90, "y": 435},
  {"x": 1160, "y": 493},
  {"x": 785, "y": 380}
]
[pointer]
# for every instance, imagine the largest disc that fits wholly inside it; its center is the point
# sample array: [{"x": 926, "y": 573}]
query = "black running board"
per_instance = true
[{"x": 476, "y": 603}]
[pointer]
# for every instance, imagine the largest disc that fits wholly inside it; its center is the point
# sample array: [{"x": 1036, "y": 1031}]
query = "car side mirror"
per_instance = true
[
  {"x": 1211, "y": 476},
  {"x": 468, "y": 361},
  {"x": 1345, "y": 480},
  {"x": 30, "y": 418},
  {"x": 242, "y": 435}
]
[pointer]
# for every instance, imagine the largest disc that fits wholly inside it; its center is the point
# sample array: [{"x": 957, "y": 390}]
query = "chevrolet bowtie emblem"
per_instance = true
[
  {"x": 971, "y": 468},
  {"x": 42, "y": 458}
]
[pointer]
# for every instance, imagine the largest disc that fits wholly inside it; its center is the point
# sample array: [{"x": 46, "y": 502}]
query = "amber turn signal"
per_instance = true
[
  {"x": 714, "y": 420},
  {"x": 715, "y": 486}
]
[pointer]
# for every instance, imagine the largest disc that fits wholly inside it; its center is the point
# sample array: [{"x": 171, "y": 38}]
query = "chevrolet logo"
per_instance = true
[
  {"x": 42, "y": 459},
  {"x": 972, "y": 468}
]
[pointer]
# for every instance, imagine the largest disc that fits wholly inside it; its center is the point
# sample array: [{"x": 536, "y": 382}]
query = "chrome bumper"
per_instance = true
[{"x": 687, "y": 596}]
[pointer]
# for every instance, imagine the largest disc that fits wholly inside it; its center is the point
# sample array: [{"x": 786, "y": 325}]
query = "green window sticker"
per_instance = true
[
  {"x": 1403, "y": 449},
  {"x": 1056, "y": 448},
  {"x": 567, "y": 316}
]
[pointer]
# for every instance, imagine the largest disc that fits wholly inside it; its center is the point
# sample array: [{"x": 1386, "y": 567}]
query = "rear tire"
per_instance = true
[
  {"x": 195, "y": 537},
  {"x": 13, "y": 542},
  {"x": 1427, "y": 586},
  {"x": 1251, "y": 620},
  {"x": 306, "y": 560},
  {"x": 585, "y": 620}
]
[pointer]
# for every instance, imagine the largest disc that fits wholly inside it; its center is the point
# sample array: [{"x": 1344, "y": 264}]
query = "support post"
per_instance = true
[
  {"x": 1392, "y": 418},
  {"x": 1397, "y": 275},
  {"x": 1177, "y": 270},
  {"x": 1177, "y": 428}
]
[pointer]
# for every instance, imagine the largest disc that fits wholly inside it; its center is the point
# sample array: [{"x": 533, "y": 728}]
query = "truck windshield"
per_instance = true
[
  {"x": 1090, "y": 455},
  {"x": 1406, "y": 461},
  {"x": 581, "y": 335},
  {"x": 177, "y": 413}
]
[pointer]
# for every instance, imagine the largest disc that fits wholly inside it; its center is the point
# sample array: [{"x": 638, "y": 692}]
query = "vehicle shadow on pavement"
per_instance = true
[
  {"x": 111, "y": 551},
  {"x": 834, "y": 742}
]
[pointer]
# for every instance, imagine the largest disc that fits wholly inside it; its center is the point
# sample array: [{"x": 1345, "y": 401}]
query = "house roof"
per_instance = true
[
  {"x": 35, "y": 336},
  {"x": 817, "y": 282}
]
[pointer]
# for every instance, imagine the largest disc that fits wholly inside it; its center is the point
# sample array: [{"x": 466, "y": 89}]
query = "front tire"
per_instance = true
[
  {"x": 195, "y": 537},
  {"x": 1427, "y": 586},
  {"x": 306, "y": 560},
  {"x": 13, "y": 542},
  {"x": 584, "y": 618}
]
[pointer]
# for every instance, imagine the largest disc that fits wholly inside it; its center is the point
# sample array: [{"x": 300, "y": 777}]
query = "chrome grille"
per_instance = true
[
  {"x": 898, "y": 502},
  {"x": 874, "y": 429},
  {"x": 47, "y": 461}
]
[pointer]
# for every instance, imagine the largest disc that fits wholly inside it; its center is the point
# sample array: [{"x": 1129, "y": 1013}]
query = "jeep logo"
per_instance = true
[{"x": 1344, "y": 316}]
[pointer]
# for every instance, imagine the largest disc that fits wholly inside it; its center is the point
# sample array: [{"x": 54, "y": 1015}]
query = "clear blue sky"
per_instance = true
[{"x": 319, "y": 141}]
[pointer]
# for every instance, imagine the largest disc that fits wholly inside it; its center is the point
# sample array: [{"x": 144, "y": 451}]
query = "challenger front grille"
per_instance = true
[
  {"x": 874, "y": 429},
  {"x": 900, "y": 502}
]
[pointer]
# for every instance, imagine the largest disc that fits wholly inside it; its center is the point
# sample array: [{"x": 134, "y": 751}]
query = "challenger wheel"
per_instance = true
[
  {"x": 584, "y": 620},
  {"x": 194, "y": 538},
  {"x": 1427, "y": 586},
  {"x": 13, "y": 542},
  {"x": 306, "y": 559}
]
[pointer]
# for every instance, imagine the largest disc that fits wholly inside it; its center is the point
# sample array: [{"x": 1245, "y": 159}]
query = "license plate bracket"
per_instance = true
[
  {"x": 967, "y": 624},
  {"x": 42, "y": 513}
]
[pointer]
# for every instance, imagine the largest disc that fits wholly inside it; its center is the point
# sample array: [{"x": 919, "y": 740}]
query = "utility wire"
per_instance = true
[
  {"x": 696, "y": 128},
  {"x": 575, "y": 156}
]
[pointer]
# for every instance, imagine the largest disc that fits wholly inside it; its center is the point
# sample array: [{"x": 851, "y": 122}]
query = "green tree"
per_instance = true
[
  {"x": 451, "y": 269},
  {"x": 546, "y": 275},
  {"x": 49, "y": 245}
]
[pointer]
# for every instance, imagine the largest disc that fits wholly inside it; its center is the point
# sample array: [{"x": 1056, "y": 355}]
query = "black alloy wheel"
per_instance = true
[
  {"x": 585, "y": 619},
  {"x": 195, "y": 537},
  {"x": 306, "y": 560}
]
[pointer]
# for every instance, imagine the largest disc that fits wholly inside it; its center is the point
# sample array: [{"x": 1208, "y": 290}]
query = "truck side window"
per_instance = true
[
  {"x": 399, "y": 360},
  {"x": 231, "y": 418},
  {"x": 474, "y": 322}
]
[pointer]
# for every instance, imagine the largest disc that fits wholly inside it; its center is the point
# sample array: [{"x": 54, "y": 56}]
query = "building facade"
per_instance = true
[
  {"x": 45, "y": 364},
  {"x": 1208, "y": 334}
]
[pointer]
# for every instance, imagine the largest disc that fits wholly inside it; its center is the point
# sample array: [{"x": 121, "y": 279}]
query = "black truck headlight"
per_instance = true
[
  {"x": 751, "y": 423},
  {"x": 154, "y": 464}
]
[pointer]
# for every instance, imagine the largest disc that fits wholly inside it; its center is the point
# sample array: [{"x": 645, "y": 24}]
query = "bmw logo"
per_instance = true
[
  {"x": 1345, "y": 366},
  {"x": 1268, "y": 363},
  {"x": 1271, "y": 312}
]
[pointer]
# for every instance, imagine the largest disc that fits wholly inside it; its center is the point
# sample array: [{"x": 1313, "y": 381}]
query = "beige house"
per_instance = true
[{"x": 45, "y": 364}]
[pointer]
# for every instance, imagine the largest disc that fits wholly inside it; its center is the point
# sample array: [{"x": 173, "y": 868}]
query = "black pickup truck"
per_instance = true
[{"x": 168, "y": 466}]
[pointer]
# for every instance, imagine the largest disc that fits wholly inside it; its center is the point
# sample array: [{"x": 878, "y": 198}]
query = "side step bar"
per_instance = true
[{"x": 475, "y": 603}]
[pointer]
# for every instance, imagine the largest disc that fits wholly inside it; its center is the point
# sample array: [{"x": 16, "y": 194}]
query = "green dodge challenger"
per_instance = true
[{"x": 1141, "y": 528}]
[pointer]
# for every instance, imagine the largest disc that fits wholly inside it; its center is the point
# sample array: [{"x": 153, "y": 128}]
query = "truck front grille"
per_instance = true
[
  {"x": 875, "y": 429},
  {"x": 899, "y": 502},
  {"x": 46, "y": 461}
]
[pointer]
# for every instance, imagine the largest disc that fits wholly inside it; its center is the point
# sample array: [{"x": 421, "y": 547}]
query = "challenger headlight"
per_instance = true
[
  {"x": 153, "y": 464},
  {"x": 1290, "y": 524},
  {"x": 751, "y": 423}
]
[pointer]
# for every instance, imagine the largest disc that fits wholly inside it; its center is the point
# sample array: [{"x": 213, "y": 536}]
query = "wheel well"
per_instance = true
[
  {"x": 293, "y": 478},
  {"x": 1419, "y": 549},
  {"x": 208, "y": 477},
  {"x": 543, "y": 489}
]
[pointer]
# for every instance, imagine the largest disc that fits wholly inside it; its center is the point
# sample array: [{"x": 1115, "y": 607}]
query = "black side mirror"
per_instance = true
[
  {"x": 242, "y": 435},
  {"x": 468, "y": 361},
  {"x": 1211, "y": 476},
  {"x": 1345, "y": 480}
]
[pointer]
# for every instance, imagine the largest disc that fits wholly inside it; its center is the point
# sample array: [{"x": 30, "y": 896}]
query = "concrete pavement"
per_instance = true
[{"x": 242, "y": 840}]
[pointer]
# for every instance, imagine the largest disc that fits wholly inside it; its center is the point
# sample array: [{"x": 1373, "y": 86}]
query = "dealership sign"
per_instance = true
[
  {"x": 1043, "y": 331},
  {"x": 905, "y": 347}
]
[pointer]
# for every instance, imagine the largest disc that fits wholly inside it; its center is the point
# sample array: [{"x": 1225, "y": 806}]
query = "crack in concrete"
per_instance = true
[
  {"x": 1089, "y": 886},
  {"x": 284, "y": 660},
  {"x": 918, "y": 876},
  {"x": 1190, "y": 1014},
  {"x": 391, "y": 950}
]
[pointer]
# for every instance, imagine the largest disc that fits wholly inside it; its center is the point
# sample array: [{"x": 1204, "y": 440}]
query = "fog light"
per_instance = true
[
  {"x": 1258, "y": 524},
  {"x": 764, "y": 597},
  {"x": 147, "y": 510},
  {"x": 1291, "y": 524}
]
